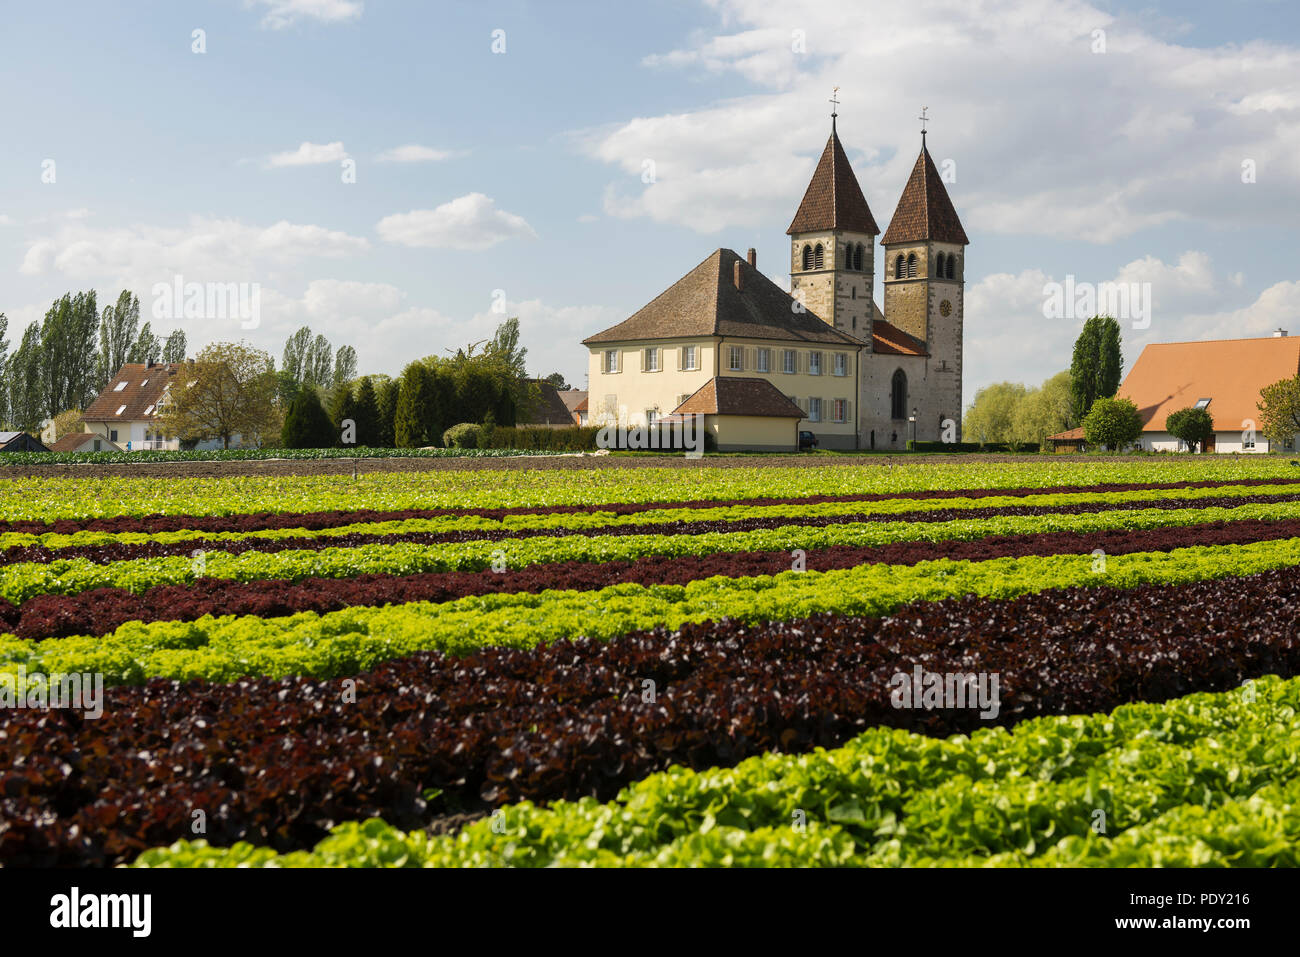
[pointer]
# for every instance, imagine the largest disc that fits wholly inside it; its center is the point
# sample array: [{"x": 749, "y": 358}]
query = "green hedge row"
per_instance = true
[
  {"x": 241, "y": 455},
  {"x": 915, "y": 446},
  {"x": 531, "y": 438}
]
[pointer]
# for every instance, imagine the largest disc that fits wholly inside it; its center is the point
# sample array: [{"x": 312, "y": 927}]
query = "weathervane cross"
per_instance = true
[
  {"x": 835, "y": 103},
  {"x": 924, "y": 119}
]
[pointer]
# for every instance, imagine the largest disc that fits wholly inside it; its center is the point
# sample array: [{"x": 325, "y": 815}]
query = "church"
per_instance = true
[{"x": 762, "y": 364}]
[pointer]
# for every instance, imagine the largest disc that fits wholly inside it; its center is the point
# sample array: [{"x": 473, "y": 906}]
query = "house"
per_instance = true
[
  {"x": 20, "y": 442},
  {"x": 863, "y": 378},
  {"x": 1071, "y": 440},
  {"x": 745, "y": 414},
  {"x": 572, "y": 398},
  {"x": 549, "y": 411},
  {"x": 83, "y": 442},
  {"x": 1223, "y": 376},
  {"x": 580, "y": 412},
  {"x": 126, "y": 412}
]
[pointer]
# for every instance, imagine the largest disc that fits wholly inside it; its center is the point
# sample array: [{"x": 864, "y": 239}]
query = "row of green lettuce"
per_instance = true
[
  {"x": 47, "y": 499},
  {"x": 1206, "y": 780},
  {"x": 23, "y": 580},
  {"x": 604, "y": 519},
  {"x": 356, "y": 639}
]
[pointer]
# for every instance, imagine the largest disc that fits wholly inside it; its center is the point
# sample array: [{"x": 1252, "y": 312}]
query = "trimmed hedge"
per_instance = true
[
  {"x": 914, "y": 446},
  {"x": 532, "y": 438}
]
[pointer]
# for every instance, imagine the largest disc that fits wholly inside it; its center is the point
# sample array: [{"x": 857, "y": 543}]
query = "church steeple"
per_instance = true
[
  {"x": 924, "y": 211},
  {"x": 833, "y": 199},
  {"x": 832, "y": 246}
]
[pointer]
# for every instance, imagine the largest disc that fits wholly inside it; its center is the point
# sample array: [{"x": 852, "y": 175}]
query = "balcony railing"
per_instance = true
[{"x": 151, "y": 445}]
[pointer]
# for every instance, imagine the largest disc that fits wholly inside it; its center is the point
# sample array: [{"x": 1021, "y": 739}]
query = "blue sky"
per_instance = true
[{"x": 522, "y": 173}]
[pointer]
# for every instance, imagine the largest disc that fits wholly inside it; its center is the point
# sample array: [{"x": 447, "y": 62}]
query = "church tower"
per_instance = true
[
  {"x": 833, "y": 245},
  {"x": 924, "y": 277}
]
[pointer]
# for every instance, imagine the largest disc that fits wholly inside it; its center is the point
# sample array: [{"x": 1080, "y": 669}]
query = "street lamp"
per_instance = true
[{"x": 912, "y": 418}]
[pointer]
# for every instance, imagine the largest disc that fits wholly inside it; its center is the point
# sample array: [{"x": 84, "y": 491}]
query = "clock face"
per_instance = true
[{"x": 945, "y": 308}]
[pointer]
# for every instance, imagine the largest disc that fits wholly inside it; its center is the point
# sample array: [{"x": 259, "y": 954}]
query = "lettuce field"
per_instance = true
[{"x": 1027, "y": 664}]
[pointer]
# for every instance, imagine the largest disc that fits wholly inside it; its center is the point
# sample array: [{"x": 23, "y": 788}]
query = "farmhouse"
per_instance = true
[
  {"x": 1223, "y": 376},
  {"x": 860, "y": 377},
  {"x": 127, "y": 409}
]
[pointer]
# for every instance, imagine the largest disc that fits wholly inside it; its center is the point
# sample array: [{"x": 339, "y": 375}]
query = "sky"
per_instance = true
[{"x": 401, "y": 176}]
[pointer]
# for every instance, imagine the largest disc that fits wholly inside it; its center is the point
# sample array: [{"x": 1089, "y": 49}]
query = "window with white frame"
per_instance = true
[
  {"x": 814, "y": 410},
  {"x": 651, "y": 360},
  {"x": 788, "y": 364},
  {"x": 841, "y": 410},
  {"x": 735, "y": 359},
  {"x": 841, "y": 363},
  {"x": 690, "y": 357},
  {"x": 1248, "y": 440},
  {"x": 119, "y": 387},
  {"x": 764, "y": 360},
  {"x": 650, "y": 416},
  {"x": 611, "y": 360},
  {"x": 814, "y": 363}
]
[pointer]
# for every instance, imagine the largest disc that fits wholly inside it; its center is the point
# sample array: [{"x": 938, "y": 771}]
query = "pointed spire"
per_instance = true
[
  {"x": 834, "y": 199},
  {"x": 925, "y": 211}
]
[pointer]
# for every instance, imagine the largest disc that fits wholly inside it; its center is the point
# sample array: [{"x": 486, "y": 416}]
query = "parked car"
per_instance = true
[{"x": 807, "y": 441}]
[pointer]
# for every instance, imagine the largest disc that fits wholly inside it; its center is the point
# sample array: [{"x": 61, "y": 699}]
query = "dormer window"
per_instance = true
[{"x": 119, "y": 387}]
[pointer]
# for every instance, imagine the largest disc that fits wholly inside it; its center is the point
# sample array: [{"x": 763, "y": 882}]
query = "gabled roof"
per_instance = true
[
  {"x": 833, "y": 199},
  {"x": 889, "y": 340},
  {"x": 1069, "y": 435},
  {"x": 142, "y": 386},
  {"x": 20, "y": 442},
  {"x": 706, "y": 302},
  {"x": 572, "y": 398},
  {"x": 924, "y": 210},
  {"x": 1169, "y": 376},
  {"x": 75, "y": 440},
  {"x": 739, "y": 395},
  {"x": 549, "y": 410}
]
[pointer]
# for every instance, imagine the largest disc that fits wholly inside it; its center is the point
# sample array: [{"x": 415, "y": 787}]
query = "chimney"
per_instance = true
[
  {"x": 1280, "y": 334},
  {"x": 752, "y": 257},
  {"x": 739, "y": 283}
]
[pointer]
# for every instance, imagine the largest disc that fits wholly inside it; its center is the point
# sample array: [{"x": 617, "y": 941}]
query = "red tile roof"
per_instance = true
[
  {"x": 74, "y": 440},
  {"x": 1069, "y": 435},
  {"x": 1169, "y": 376},
  {"x": 834, "y": 199},
  {"x": 144, "y": 386},
  {"x": 925, "y": 211},
  {"x": 739, "y": 395},
  {"x": 887, "y": 339}
]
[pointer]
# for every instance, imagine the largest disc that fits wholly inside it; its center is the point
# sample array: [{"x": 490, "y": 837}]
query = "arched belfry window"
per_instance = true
[
  {"x": 938, "y": 266},
  {"x": 819, "y": 255},
  {"x": 950, "y": 267},
  {"x": 848, "y": 257},
  {"x": 857, "y": 257},
  {"x": 900, "y": 271},
  {"x": 807, "y": 256},
  {"x": 898, "y": 395},
  {"x": 911, "y": 265}
]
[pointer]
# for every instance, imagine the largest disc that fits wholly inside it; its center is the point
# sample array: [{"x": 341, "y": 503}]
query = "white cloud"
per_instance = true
[
  {"x": 309, "y": 154},
  {"x": 1052, "y": 140},
  {"x": 205, "y": 250},
  {"x": 412, "y": 153},
  {"x": 468, "y": 222},
  {"x": 284, "y": 13},
  {"x": 1006, "y": 332},
  {"x": 5, "y": 220}
]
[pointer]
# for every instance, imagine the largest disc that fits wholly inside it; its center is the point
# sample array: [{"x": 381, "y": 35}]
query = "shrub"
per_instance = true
[
  {"x": 576, "y": 439},
  {"x": 1113, "y": 423},
  {"x": 307, "y": 426},
  {"x": 1191, "y": 425},
  {"x": 465, "y": 435}
]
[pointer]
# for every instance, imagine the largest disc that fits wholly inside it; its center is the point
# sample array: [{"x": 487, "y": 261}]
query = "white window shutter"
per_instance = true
[{"x": 681, "y": 358}]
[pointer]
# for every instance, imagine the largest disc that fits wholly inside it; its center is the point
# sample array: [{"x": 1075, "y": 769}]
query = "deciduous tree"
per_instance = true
[{"x": 228, "y": 390}]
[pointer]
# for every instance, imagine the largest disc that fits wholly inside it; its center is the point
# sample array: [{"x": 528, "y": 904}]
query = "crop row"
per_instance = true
[
  {"x": 585, "y": 718},
  {"x": 357, "y": 639},
  {"x": 21, "y": 581},
  {"x": 1054, "y": 787},
  {"x": 49, "y": 500},
  {"x": 100, "y": 611},
  {"x": 104, "y": 547}
]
